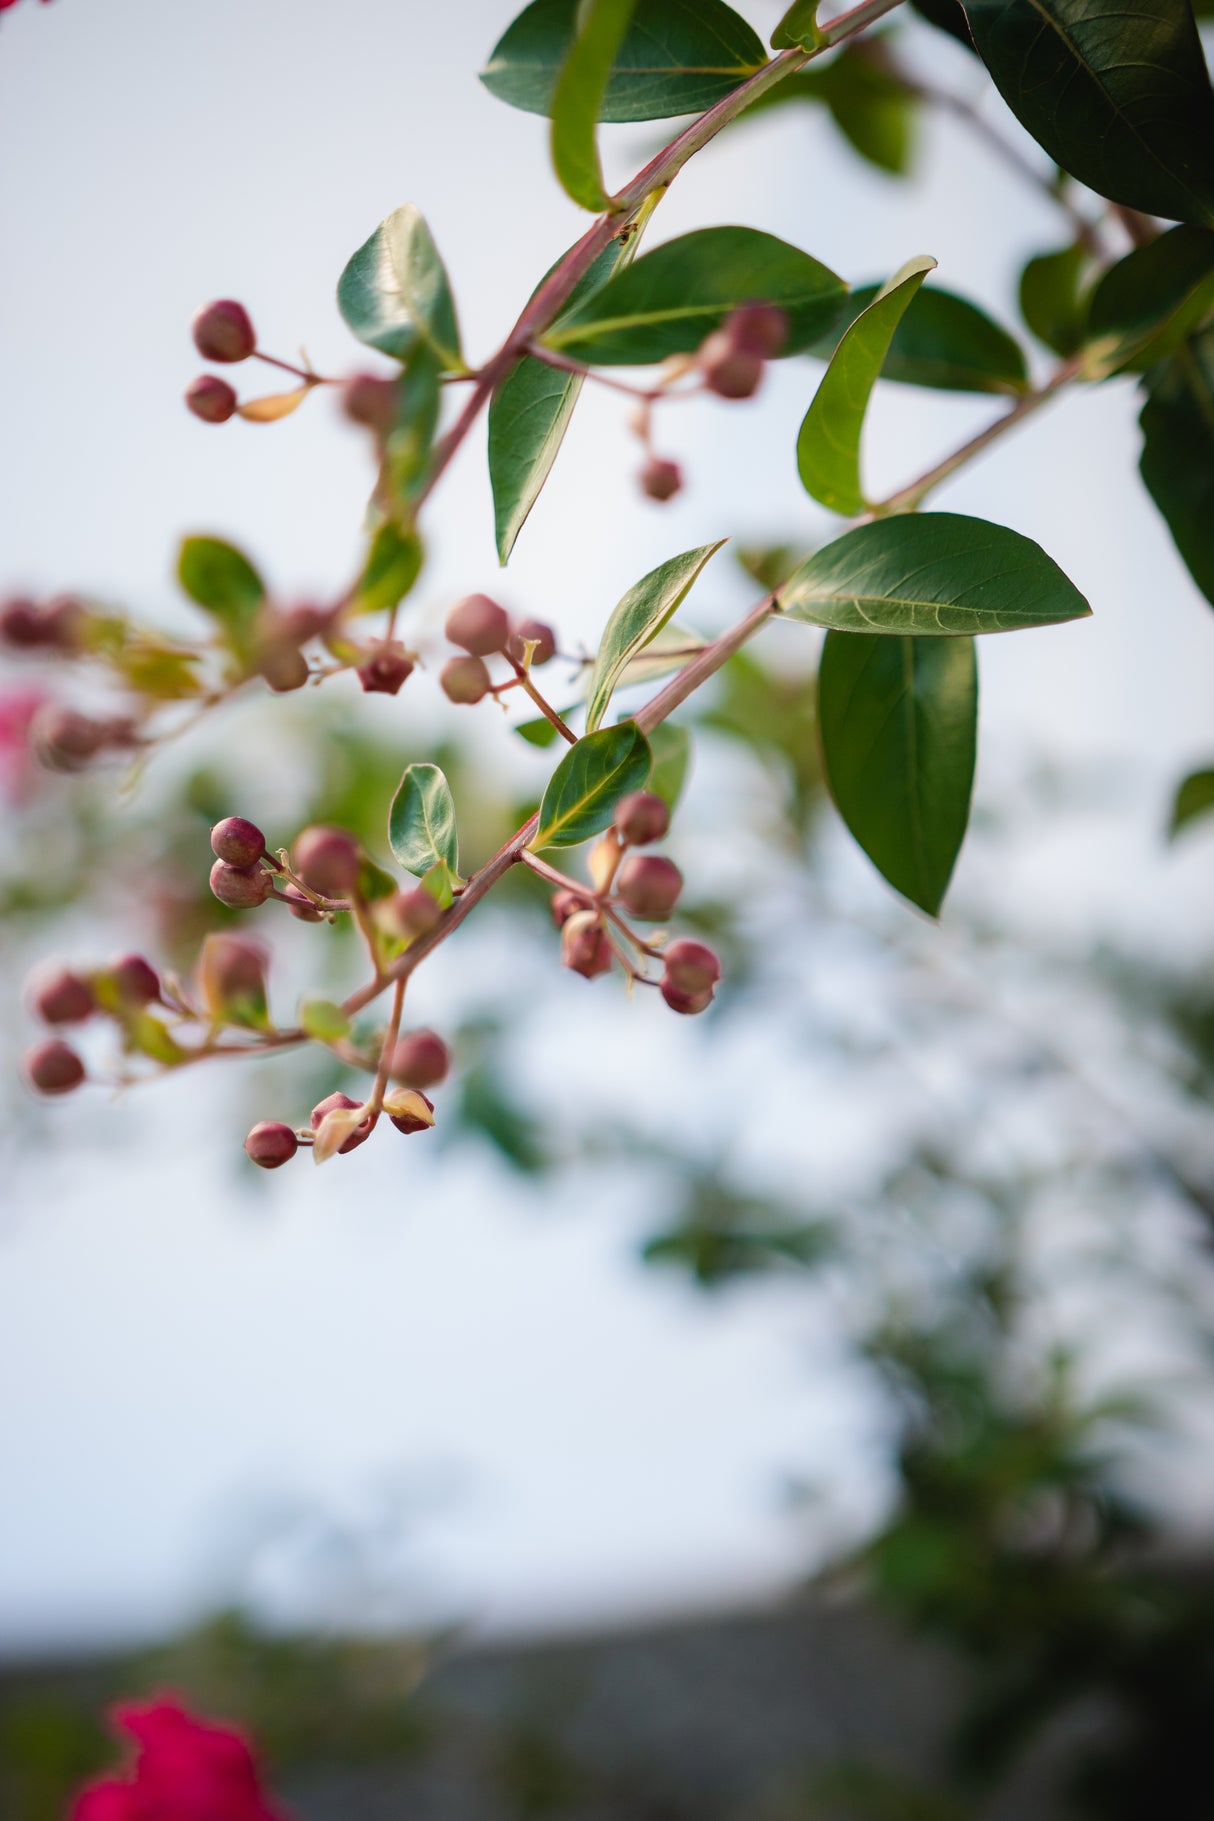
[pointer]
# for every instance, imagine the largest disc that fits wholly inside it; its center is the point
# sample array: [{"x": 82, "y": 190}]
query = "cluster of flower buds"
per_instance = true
[
  {"x": 646, "y": 887},
  {"x": 338, "y": 1124},
  {"x": 483, "y": 630},
  {"x": 320, "y": 879},
  {"x": 222, "y": 332},
  {"x": 63, "y": 996},
  {"x": 59, "y": 625}
]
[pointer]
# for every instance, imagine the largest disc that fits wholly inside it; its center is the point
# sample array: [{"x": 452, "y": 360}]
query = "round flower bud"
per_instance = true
[
  {"x": 53, "y": 1067},
  {"x": 758, "y": 328},
  {"x": 680, "y": 1001},
  {"x": 691, "y": 966},
  {"x": 408, "y": 1123},
  {"x": 238, "y": 841},
  {"x": 640, "y": 818},
  {"x": 479, "y": 625},
  {"x": 420, "y": 1060},
  {"x": 584, "y": 946},
  {"x": 327, "y": 860},
  {"x": 465, "y": 680},
  {"x": 240, "y": 887},
  {"x": 411, "y": 913},
  {"x": 385, "y": 670},
  {"x": 63, "y": 998},
  {"x": 211, "y": 398},
  {"x": 137, "y": 981},
  {"x": 660, "y": 479},
  {"x": 564, "y": 904},
  {"x": 22, "y": 627},
  {"x": 296, "y": 625},
  {"x": 62, "y": 622},
  {"x": 649, "y": 886},
  {"x": 532, "y": 632},
  {"x": 284, "y": 668},
  {"x": 271, "y": 1144},
  {"x": 301, "y": 906},
  {"x": 330, "y": 1104},
  {"x": 730, "y": 371},
  {"x": 66, "y": 740},
  {"x": 222, "y": 331},
  {"x": 371, "y": 401}
]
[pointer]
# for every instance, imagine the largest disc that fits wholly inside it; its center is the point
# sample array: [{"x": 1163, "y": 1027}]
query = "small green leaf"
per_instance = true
[
  {"x": 935, "y": 574},
  {"x": 421, "y": 822},
  {"x": 324, "y": 1020},
  {"x": 394, "y": 291},
  {"x": 588, "y": 783},
  {"x": 393, "y": 564},
  {"x": 898, "y": 720},
  {"x": 670, "y": 299},
  {"x": 578, "y": 96},
  {"x": 1177, "y": 460},
  {"x": 828, "y": 445},
  {"x": 798, "y": 28},
  {"x": 671, "y": 748},
  {"x": 223, "y": 581},
  {"x": 1151, "y": 301},
  {"x": 539, "y": 732},
  {"x": 639, "y": 617},
  {"x": 1118, "y": 96},
  {"x": 1194, "y": 799},
  {"x": 146, "y": 1034},
  {"x": 677, "y": 57},
  {"x": 441, "y": 882},
  {"x": 872, "y": 106},
  {"x": 947, "y": 343},
  {"x": 1051, "y": 297},
  {"x": 407, "y": 448}
]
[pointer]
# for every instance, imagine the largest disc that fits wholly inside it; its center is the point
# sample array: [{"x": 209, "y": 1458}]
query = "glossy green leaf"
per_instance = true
[
  {"x": 578, "y": 97},
  {"x": 1151, "y": 301},
  {"x": 394, "y": 291},
  {"x": 671, "y": 748},
  {"x": 828, "y": 444},
  {"x": 677, "y": 57},
  {"x": 540, "y": 732},
  {"x": 670, "y": 299},
  {"x": 393, "y": 564},
  {"x": 1177, "y": 460},
  {"x": 798, "y": 28},
  {"x": 1052, "y": 300},
  {"x": 948, "y": 16},
  {"x": 1194, "y": 800},
  {"x": 530, "y": 411},
  {"x": 421, "y": 821},
  {"x": 872, "y": 106},
  {"x": 898, "y": 721},
  {"x": 221, "y": 579},
  {"x": 934, "y": 574},
  {"x": 1118, "y": 96},
  {"x": 638, "y": 618},
  {"x": 944, "y": 342},
  {"x": 588, "y": 783}
]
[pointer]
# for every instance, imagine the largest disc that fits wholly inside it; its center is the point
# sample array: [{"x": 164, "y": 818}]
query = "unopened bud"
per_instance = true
[
  {"x": 65, "y": 739},
  {"x": 211, "y": 398},
  {"x": 691, "y": 966},
  {"x": 232, "y": 978},
  {"x": 640, "y": 818},
  {"x": 660, "y": 479},
  {"x": 479, "y": 625},
  {"x": 420, "y": 1060},
  {"x": 271, "y": 1144},
  {"x": 757, "y": 328},
  {"x": 584, "y": 946},
  {"x": 53, "y": 1067},
  {"x": 330, "y": 1104},
  {"x": 730, "y": 371},
  {"x": 61, "y": 623},
  {"x": 410, "y": 914},
  {"x": 327, "y": 860},
  {"x": 63, "y": 998},
  {"x": 136, "y": 980},
  {"x": 649, "y": 886},
  {"x": 371, "y": 401},
  {"x": 536, "y": 633},
  {"x": 411, "y": 1120},
  {"x": 385, "y": 670},
  {"x": 222, "y": 331},
  {"x": 21, "y": 625},
  {"x": 564, "y": 904},
  {"x": 240, "y": 887},
  {"x": 284, "y": 668},
  {"x": 465, "y": 680},
  {"x": 296, "y": 625},
  {"x": 688, "y": 1003},
  {"x": 238, "y": 841}
]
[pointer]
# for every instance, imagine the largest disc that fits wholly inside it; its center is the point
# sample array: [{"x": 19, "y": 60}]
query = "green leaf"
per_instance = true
[
  {"x": 588, "y": 783},
  {"x": 421, "y": 822},
  {"x": 639, "y": 617},
  {"x": 671, "y": 298},
  {"x": 931, "y": 573},
  {"x": 530, "y": 411},
  {"x": 671, "y": 748},
  {"x": 441, "y": 882},
  {"x": 1119, "y": 97},
  {"x": 324, "y": 1020},
  {"x": 408, "y": 446},
  {"x": 677, "y": 57},
  {"x": 1051, "y": 297},
  {"x": 1194, "y": 799},
  {"x": 223, "y": 581},
  {"x": 945, "y": 342},
  {"x": 828, "y": 444},
  {"x": 868, "y": 101},
  {"x": 899, "y": 720},
  {"x": 1151, "y": 301},
  {"x": 1177, "y": 462},
  {"x": 394, "y": 291},
  {"x": 578, "y": 96},
  {"x": 948, "y": 16},
  {"x": 798, "y": 29},
  {"x": 393, "y": 564},
  {"x": 539, "y": 732}
]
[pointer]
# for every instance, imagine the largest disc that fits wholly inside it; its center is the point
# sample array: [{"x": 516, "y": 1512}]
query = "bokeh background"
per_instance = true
[{"x": 654, "y": 1325}]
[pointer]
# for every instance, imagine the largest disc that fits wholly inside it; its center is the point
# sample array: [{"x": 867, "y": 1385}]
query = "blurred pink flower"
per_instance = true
[
  {"x": 185, "y": 1769},
  {"x": 17, "y": 709}
]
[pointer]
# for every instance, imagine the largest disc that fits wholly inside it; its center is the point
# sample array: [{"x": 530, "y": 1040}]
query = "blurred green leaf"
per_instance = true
[{"x": 599, "y": 28}]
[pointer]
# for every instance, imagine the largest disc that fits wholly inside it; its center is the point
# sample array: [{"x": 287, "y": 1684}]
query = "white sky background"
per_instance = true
[{"x": 175, "y": 1358}]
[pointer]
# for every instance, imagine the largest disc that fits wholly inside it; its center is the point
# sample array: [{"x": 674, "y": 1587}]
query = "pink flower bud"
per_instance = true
[
  {"x": 63, "y": 998},
  {"x": 479, "y": 625},
  {"x": 730, "y": 371},
  {"x": 61, "y": 623},
  {"x": 564, "y": 904},
  {"x": 240, "y": 887},
  {"x": 649, "y": 886},
  {"x": 271, "y": 1144},
  {"x": 330, "y": 1104},
  {"x": 691, "y": 966},
  {"x": 410, "y": 914},
  {"x": 371, "y": 401},
  {"x": 300, "y": 906},
  {"x": 757, "y": 328},
  {"x": 211, "y": 398},
  {"x": 584, "y": 946},
  {"x": 328, "y": 861},
  {"x": 222, "y": 331},
  {"x": 21, "y": 625},
  {"x": 528, "y": 632},
  {"x": 465, "y": 680},
  {"x": 385, "y": 670},
  {"x": 681, "y": 1001},
  {"x": 238, "y": 841},
  {"x": 420, "y": 1060},
  {"x": 640, "y": 818},
  {"x": 660, "y": 479},
  {"x": 408, "y": 1123},
  {"x": 284, "y": 668},
  {"x": 136, "y": 979},
  {"x": 66, "y": 740},
  {"x": 232, "y": 978},
  {"x": 53, "y": 1067}
]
